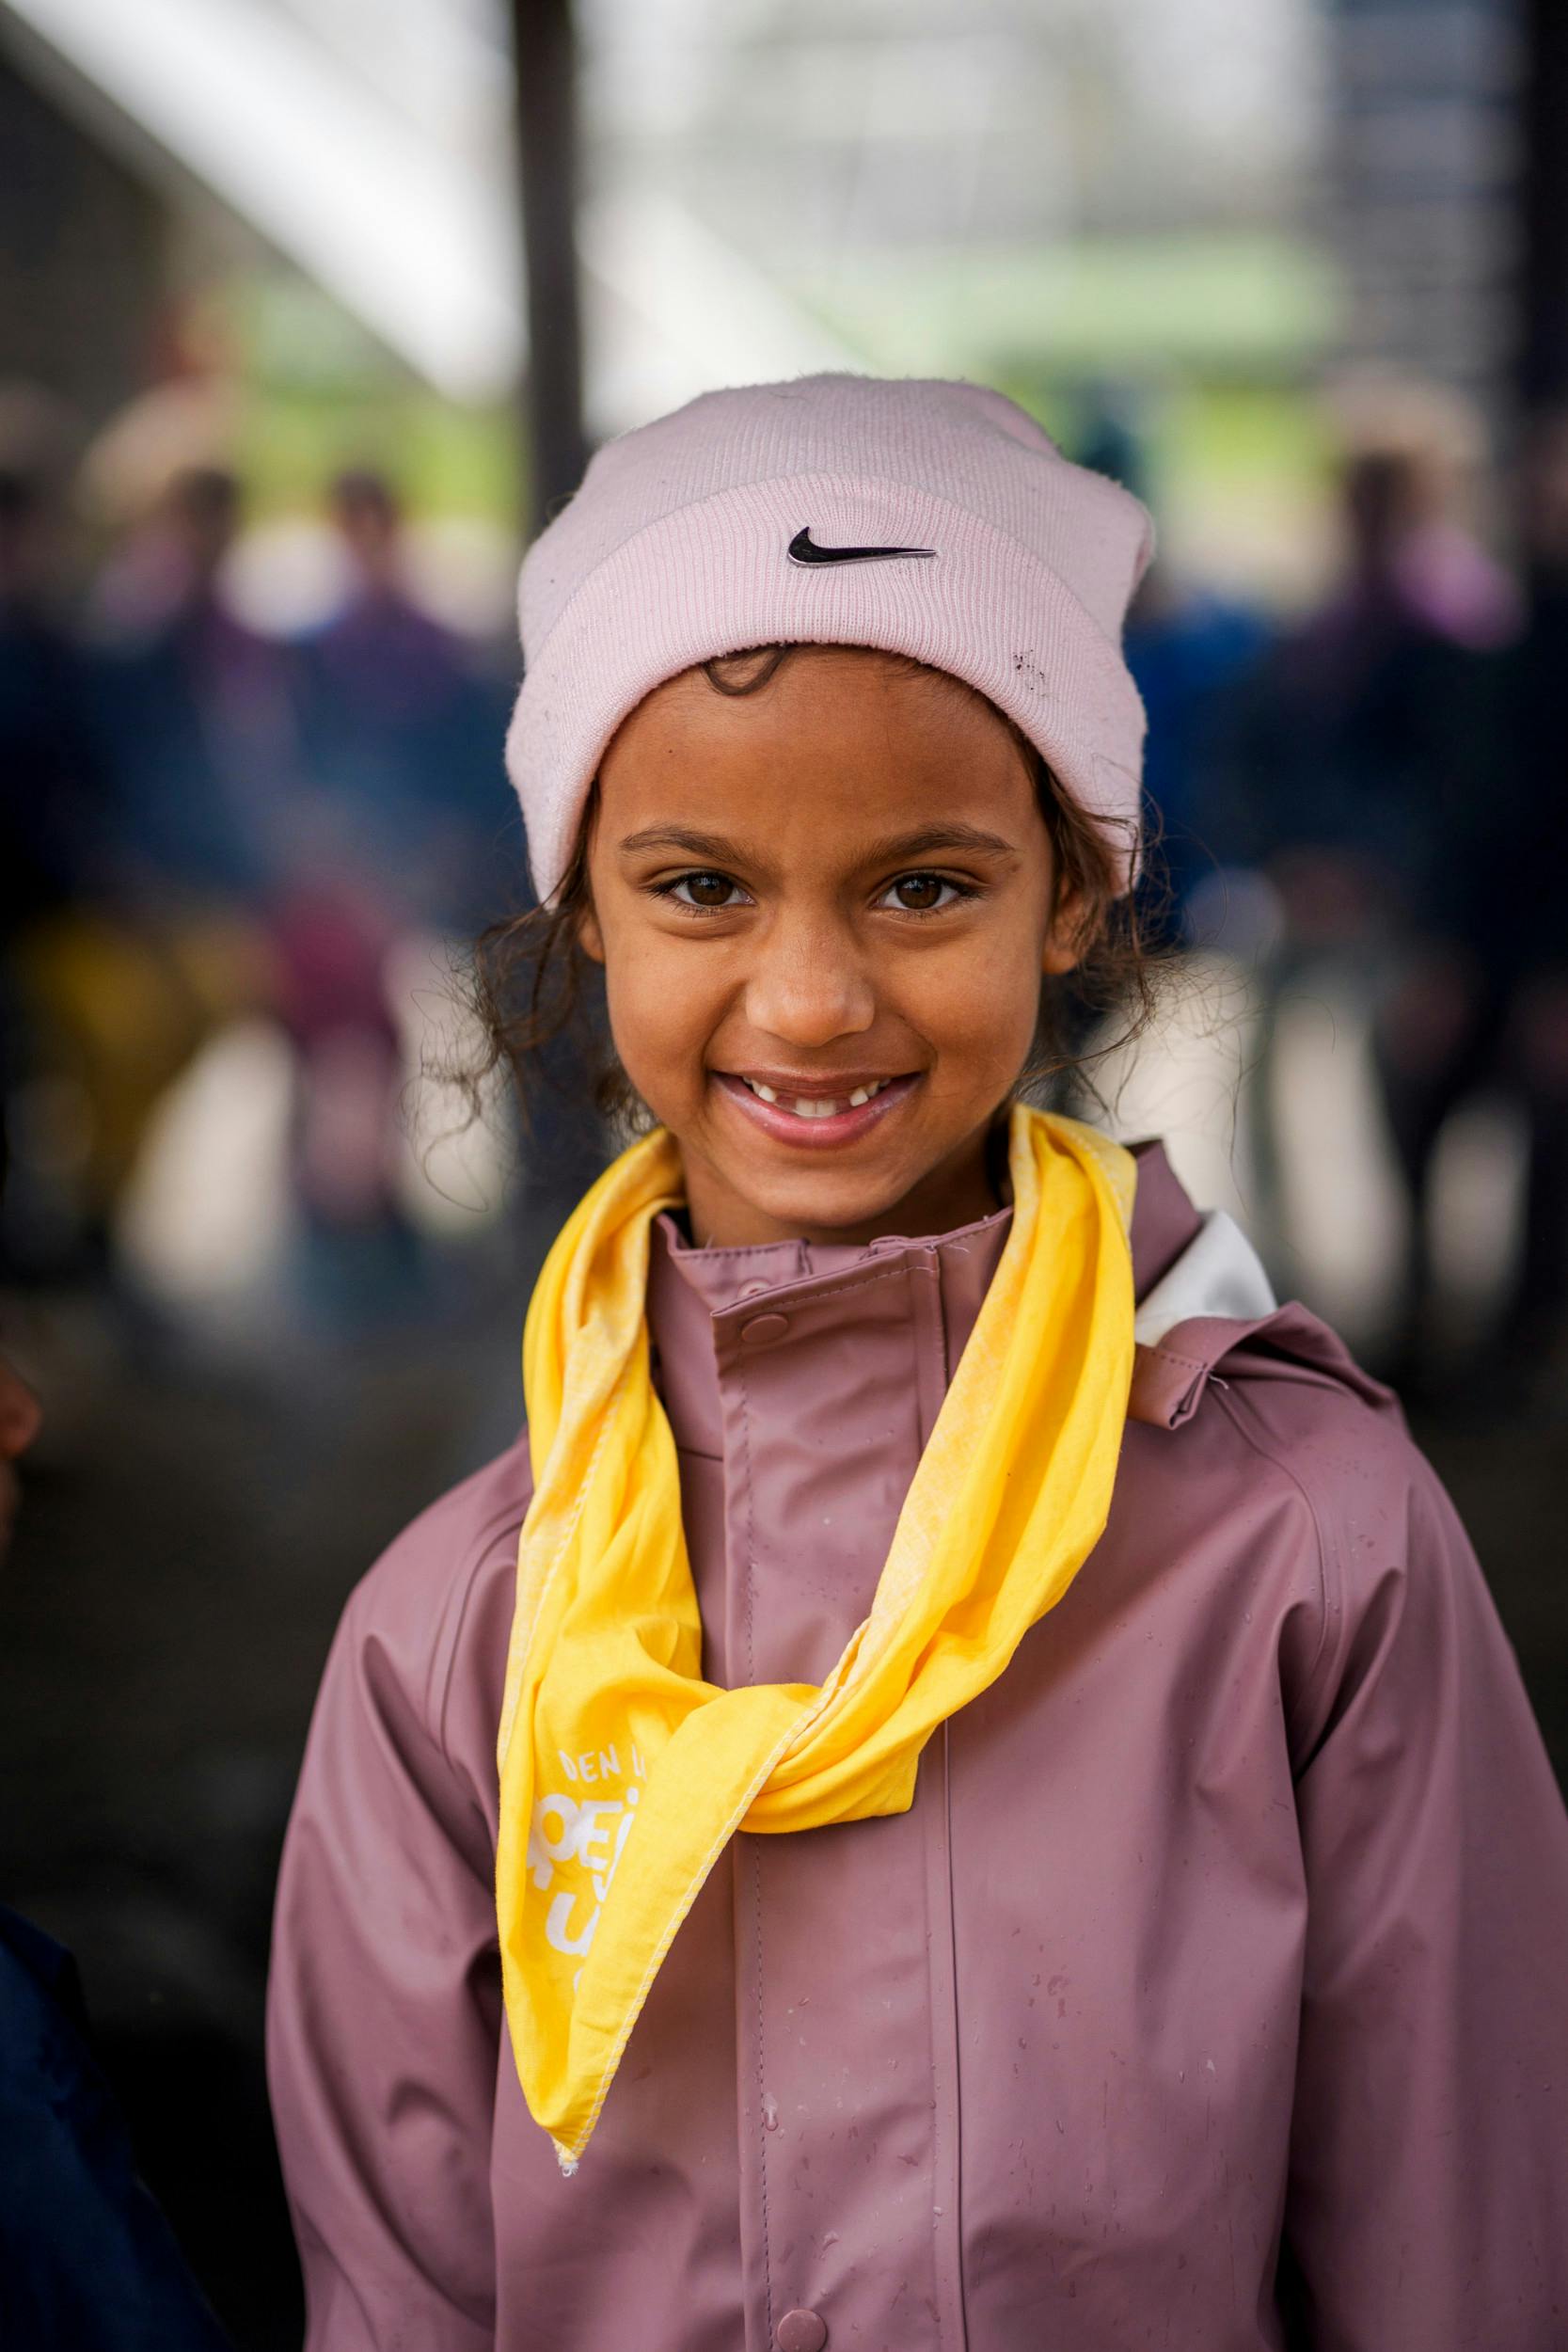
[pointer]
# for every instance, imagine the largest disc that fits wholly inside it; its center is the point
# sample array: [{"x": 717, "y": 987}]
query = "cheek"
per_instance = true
[
  {"x": 662, "y": 1004},
  {"x": 980, "y": 1003}
]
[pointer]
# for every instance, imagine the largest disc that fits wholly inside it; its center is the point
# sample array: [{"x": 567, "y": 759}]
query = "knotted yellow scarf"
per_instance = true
[{"x": 623, "y": 1773}]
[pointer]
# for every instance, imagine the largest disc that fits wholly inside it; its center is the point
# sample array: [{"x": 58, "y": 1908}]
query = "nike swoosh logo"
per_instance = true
[{"x": 804, "y": 549}]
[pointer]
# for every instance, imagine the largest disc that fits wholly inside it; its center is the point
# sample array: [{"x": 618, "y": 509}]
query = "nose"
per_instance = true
[{"x": 809, "y": 985}]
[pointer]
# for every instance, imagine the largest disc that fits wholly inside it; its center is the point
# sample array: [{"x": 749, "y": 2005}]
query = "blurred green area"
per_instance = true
[
  {"x": 1228, "y": 303},
  {"x": 319, "y": 393}
]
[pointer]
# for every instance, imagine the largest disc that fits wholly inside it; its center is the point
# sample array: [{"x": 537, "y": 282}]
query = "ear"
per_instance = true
[
  {"x": 1065, "y": 943},
  {"x": 590, "y": 938}
]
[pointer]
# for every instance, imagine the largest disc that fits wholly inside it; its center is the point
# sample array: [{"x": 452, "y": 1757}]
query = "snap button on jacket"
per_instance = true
[{"x": 1210, "y": 1994}]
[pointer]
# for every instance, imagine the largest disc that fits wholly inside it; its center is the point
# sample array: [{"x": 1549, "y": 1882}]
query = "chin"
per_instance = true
[{"x": 825, "y": 1198}]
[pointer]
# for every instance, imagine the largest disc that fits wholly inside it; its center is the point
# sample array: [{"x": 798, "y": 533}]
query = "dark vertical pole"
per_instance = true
[
  {"x": 544, "y": 65},
  {"x": 1543, "y": 124}
]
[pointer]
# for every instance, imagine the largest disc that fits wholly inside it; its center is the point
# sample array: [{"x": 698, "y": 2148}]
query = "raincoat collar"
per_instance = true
[{"x": 1201, "y": 1290}]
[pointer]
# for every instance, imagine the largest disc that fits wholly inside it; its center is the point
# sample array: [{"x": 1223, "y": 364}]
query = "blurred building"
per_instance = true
[
  {"x": 369, "y": 152},
  {"x": 371, "y": 155},
  {"x": 1421, "y": 207},
  {"x": 83, "y": 237}
]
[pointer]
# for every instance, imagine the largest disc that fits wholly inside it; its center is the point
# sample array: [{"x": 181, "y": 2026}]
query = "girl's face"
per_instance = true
[{"x": 824, "y": 909}]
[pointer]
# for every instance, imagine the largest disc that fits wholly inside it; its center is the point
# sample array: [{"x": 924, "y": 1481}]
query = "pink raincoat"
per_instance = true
[{"x": 1213, "y": 1995}]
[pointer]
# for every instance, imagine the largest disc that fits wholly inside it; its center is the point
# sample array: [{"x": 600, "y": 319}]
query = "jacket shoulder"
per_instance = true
[
  {"x": 1341, "y": 1441},
  {"x": 1300, "y": 1395},
  {"x": 444, "y": 1586},
  {"x": 1390, "y": 1543}
]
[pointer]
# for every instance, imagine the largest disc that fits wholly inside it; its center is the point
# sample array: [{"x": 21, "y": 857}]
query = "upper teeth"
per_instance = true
[{"x": 823, "y": 1106}]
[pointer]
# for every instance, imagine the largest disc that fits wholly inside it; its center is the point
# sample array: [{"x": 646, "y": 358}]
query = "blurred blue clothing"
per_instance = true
[
  {"x": 193, "y": 725},
  {"x": 401, "y": 734},
  {"x": 87, "y": 2262},
  {"x": 1186, "y": 661},
  {"x": 1365, "y": 732}
]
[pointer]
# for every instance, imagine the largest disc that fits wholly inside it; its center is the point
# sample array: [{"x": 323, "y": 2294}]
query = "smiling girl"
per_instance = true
[{"x": 961, "y": 1786}]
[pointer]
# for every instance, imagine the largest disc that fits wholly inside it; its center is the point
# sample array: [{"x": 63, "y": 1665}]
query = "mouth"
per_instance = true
[
  {"x": 806, "y": 1113},
  {"x": 817, "y": 1105}
]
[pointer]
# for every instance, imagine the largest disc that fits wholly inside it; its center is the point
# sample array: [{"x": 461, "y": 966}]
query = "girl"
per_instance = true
[{"x": 962, "y": 1785}]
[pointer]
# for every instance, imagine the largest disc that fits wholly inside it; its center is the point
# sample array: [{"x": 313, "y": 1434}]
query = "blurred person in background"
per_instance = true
[
  {"x": 191, "y": 705},
  {"x": 331, "y": 935},
  {"x": 401, "y": 813},
  {"x": 398, "y": 724},
  {"x": 1360, "y": 756},
  {"x": 88, "y": 2261},
  {"x": 1369, "y": 714},
  {"x": 179, "y": 794},
  {"x": 1494, "y": 1014}
]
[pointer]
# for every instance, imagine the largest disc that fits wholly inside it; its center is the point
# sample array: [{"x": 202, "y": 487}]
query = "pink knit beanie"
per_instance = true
[{"x": 926, "y": 518}]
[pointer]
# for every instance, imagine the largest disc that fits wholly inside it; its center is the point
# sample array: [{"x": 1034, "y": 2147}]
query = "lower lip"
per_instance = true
[{"x": 815, "y": 1135}]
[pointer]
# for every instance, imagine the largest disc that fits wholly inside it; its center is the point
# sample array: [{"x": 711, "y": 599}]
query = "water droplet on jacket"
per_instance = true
[{"x": 770, "y": 2113}]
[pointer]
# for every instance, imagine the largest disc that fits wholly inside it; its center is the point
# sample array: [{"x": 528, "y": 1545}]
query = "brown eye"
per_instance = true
[
  {"x": 919, "y": 894},
  {"x": 705, "y": 890}
]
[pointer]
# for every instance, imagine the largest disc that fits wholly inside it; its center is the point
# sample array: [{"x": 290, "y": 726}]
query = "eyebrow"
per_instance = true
[
  {"x": 953, "y": 836},
  {"x": 923, "y": 843},
  {"x": 713, "y": 845}
]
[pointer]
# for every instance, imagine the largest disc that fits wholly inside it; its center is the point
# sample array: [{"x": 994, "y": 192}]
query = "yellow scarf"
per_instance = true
[{"x": 623, "y": 1773}]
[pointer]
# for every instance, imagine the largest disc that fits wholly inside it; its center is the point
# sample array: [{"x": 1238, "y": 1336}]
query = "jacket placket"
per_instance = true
[{"x": 846, "y": 2041}]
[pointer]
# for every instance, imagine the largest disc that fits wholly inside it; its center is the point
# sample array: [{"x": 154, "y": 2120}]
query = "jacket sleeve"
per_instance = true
[
  {"x": 1428, "y": 2201},
  {"x": 383, "y": 2001}
]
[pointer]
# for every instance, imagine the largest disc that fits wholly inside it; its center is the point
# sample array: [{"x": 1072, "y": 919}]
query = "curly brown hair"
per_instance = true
[{"x": 540, "y": 1002}]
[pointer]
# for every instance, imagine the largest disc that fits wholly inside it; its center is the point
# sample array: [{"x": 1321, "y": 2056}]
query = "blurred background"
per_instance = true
[{"x": 309, "y": 311}]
